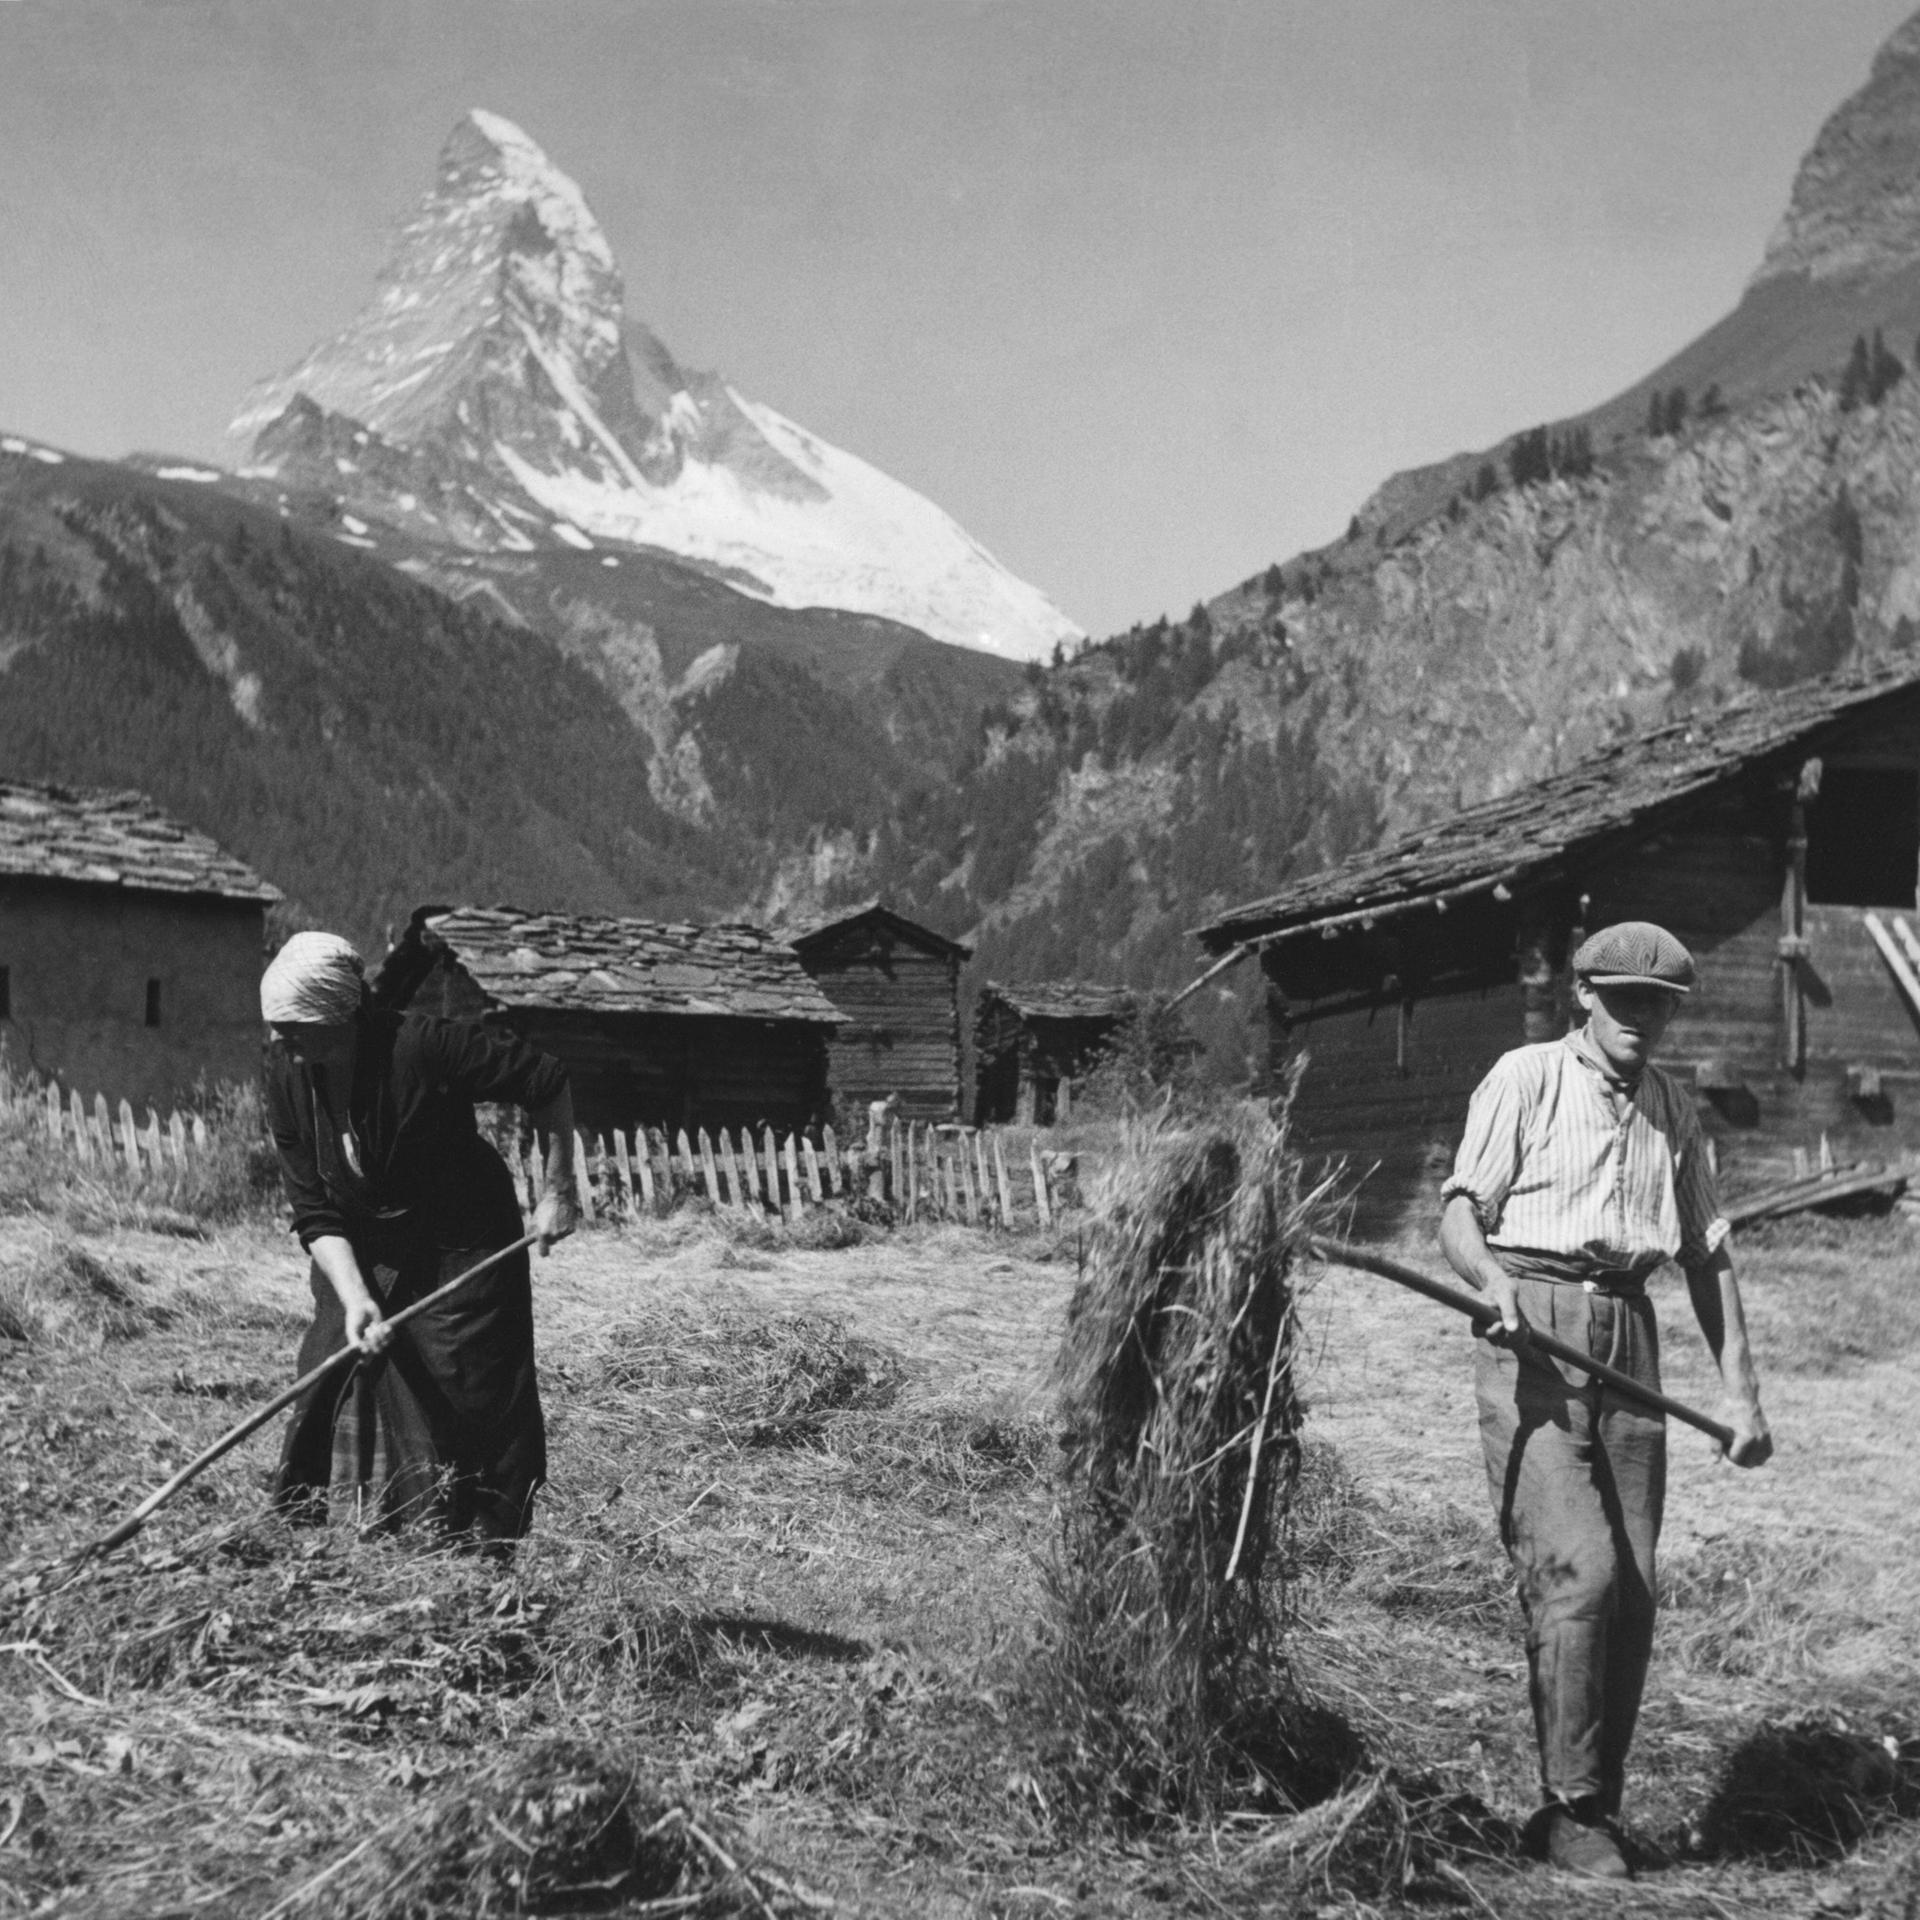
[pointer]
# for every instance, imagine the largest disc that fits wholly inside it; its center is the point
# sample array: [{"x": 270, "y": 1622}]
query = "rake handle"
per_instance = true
[
  {"x": 124, "y": 1530},
  {"x": 1483, "y": 1313}
]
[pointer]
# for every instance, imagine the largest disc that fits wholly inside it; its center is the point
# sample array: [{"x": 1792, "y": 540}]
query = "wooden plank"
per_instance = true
[
  {"x": 150, "y": 1144},
  {"x": 55, "y": 1113},
  {"x": 623, "y": 1160},
  {"x": 963, "y": 1168},
  {"x": 177, "y": 1140},
  {"x": 82, "y": 1132},
  {"x": 582, "y": 1176},
  {"x": 199, "y": 1133},
  {"x": 662, "y": 1165},
  {"x": 795, "y": 1205},
  {"x": 686, "y": 1156},
  {"x": 1006, "y": 1185},
  {"x": 813, "y": 1170},
  {"x": 913, "y": 1176},
  {"x": 734, "y": 1190},
  {"x": 750, "y": 1166},
  {"x": 708, "y": 1171},
  {"x": 982, "y": 1179},
  {"x": 643, "y": 1167},
  {"x": 1042, "y": 1200},
  {"x": 102, "y": 1130},
  {"x": 1895, "y": 959},
  {"x": 894, "y": 1152},
  {"x": 773, "y": 1169},
  {"x": 832, "y": 1168}
]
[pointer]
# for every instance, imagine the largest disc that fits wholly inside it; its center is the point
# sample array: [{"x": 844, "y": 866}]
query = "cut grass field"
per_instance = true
[{"x": 770, "y": 1644}]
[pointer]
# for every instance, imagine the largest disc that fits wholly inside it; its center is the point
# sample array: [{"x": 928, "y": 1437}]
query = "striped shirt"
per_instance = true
[{"x": 1549, "y": 1165}]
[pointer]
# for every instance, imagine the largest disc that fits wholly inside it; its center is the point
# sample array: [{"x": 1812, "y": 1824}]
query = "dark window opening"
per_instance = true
[
  {"x": 153, "y": 1003},
  {"x": 6, "y": 993},
  {"x": 1863, "y": 837}
]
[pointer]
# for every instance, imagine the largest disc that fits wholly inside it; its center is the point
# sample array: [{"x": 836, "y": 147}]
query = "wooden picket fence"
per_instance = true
[
  {"x": 110, "y": 1143},
  {"x": 920, "y": 1171}
]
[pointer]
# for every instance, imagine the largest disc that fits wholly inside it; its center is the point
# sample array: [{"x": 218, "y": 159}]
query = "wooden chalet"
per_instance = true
[
  {"x": 1032, "y": 1041},
  {"x": 898, "y": 983},
  {"x": 1767, "y": 836},
  {"x": 659, "y": 1025},
  {"x": 130, "y": 947}
]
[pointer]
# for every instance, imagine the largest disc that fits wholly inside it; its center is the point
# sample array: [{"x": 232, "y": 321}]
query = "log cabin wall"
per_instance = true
[
  {"x": 137, "y": 996},
  {"x": 1001, "y": 1046},
  {"x": 1724, "y": 883},
  {"x": 903, "y": 1031},
  {"x": 683, "y": 1070},
  {"x": 1383, "y": 1092}
]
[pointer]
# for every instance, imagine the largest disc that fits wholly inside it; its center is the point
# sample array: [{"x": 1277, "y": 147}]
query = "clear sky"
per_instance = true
[{"x": 1146, "y": 293}]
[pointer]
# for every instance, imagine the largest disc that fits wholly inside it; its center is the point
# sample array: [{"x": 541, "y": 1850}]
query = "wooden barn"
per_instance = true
[
  {"x": 1773, "y": 837},
  {"x": 130, "y": 947},
  {"x": 898, "y": 983},
  {"x": 660, "y": 1025},
  {"x": 1031, "y": 1042}
]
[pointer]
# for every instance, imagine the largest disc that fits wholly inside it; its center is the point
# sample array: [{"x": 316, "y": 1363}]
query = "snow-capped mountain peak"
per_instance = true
[{"x": 494, "y": 392}]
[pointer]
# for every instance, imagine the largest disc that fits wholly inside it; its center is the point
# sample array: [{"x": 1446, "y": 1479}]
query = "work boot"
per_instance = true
[{"x": 1578, "y": 1842}]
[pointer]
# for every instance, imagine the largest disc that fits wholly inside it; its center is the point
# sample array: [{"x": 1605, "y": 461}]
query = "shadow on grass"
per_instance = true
[
  {"x": 1807, "y": 1793},
  {"x": 744, "y": 1633}
]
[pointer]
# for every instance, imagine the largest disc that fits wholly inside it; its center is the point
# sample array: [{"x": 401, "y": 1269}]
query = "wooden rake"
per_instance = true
[
  {"x": 124, "y": 1530},
  {"x": 1484, "y": 1313}
]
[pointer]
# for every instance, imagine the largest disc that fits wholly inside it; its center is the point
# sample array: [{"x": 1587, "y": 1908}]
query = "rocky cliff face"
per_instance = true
[
  {"x": 1494, "y": 617},
  {"x": 495, "y": 394},
  {"x": 1855, "y": 211}
]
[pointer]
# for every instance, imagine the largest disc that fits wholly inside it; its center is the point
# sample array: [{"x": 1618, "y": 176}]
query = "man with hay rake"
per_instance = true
[{"x": 1582, "y": 1169}]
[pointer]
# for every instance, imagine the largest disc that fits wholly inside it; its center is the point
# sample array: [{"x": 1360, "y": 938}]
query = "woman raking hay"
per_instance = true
[{"x": 394, "y": 1191}]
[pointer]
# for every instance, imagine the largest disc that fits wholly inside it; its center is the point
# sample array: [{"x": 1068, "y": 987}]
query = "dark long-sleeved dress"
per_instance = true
[{"x": 446, "y": 1424}]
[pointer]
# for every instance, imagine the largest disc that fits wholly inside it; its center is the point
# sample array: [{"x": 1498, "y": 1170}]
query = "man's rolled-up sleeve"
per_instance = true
[
  {"x": 1696, "y": 1194},
  {"x": 1488, "y": 1162}
]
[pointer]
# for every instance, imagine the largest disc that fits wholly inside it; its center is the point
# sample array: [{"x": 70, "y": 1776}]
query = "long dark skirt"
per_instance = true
[{"x": 445, "y": 1426}]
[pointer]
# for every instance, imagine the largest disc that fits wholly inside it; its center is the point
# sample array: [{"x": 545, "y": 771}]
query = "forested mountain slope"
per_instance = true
[{"x": 372, "y": 742}]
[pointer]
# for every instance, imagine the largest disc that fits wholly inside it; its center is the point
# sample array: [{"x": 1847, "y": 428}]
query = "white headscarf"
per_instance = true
[{"x": 315, "y": 979}]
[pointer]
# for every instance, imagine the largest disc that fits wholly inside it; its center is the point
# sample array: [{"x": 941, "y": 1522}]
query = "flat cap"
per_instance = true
[{"x": 1635, "y": 953}]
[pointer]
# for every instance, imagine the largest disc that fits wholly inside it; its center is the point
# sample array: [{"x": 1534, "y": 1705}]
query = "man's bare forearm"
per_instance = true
[
  {"x": 1715, "y": 1293},
  {"x": 1465, "y": 1246}
]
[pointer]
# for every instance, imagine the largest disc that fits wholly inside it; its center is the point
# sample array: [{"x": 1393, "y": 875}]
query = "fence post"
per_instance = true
[
  {"x": 643, "y": 1166},
  {"x": 893, "y": 1155},
  {"x": 53, "y": 1111},
  {"x": 795, "y": 1205},
  {"x": 773, "y": 1167},
  {"x": 1042, "y": 1204},
  {"x": 913, "y": 1174},
  {"x": 813, "y": 1170},
  {"x": 177, "y": 1140},
  {"x": 876, "y": 1141},
  {"x": 833, "y": 1171},
  {"x": 1005, "y": 1185},
  {"x": 626, "y": 1171},
  {"x": 963, "y": 1157},
  {"x": 82, "y": 1134},
  {"x": 708, "y": 1171},
  {"x": 582, "y": 1179}
]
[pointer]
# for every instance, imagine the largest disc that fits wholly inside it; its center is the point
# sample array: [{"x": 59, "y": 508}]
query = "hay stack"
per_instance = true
[{"x": 1176, "y": 1376}]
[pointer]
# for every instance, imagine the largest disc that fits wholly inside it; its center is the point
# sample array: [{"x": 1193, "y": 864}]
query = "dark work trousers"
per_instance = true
[{"x": 1578, "y": 1474}]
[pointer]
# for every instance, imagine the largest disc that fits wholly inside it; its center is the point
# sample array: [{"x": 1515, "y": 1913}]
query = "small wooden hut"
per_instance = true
[
  {"x": 130, "y": 947},
  {"x": 898, "y": 983},
  {"x": 1774, "y": 837},
  {"x": 659, "y": 1025},
  {"x": 1034, "y": 1040}
]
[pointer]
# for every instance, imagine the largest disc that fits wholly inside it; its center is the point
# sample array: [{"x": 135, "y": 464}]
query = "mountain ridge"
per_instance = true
[{"x": 496, "y": 394}]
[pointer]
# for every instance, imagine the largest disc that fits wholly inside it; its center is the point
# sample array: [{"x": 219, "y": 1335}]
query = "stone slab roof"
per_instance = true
[
  {"x": 1523, "y": 838},
  {"x": 1064, "y": 999},
  {"x": 801, "y": 934},
  {"x": 582, "y": 963},
  {"x": 101, "y": 837}
]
